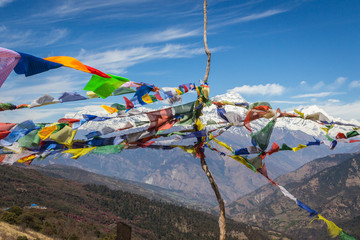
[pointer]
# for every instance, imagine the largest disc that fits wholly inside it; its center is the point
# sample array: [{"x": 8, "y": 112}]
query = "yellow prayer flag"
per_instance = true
[
  {"x": 110, "y": 110},
  {"x": 64, "y": 136},
  {"x": 78, "y": 152},
  {"x": 205, "y": 91},
  {"x": 332, "y": 229},
  {"x": 243, "y": 161},
  {"x": 45, "y": 132},
  {"x": 178, "y": 91},
  {"x": 191, "y": 150},
  {"x": 27, "y": 158},
  {"x": 146, "y": 98},
  {"x": 300, "y": 113},
  {"x": 211, "y": 137},
  {"x": 300, "y": 146},
  {"x": 91, "y": 95},
  {"x": 199, "y": 124}
]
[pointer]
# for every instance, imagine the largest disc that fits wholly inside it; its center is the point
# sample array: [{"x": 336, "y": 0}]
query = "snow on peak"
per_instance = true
[{"x": 231, "y": 96}]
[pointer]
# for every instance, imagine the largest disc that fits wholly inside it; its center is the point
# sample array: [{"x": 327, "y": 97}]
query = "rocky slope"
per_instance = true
[{"x": 329, "y": 185}]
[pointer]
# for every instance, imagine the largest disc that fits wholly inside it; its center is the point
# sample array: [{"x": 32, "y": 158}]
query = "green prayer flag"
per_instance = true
[
  {"x": 30, "y": 140},
  {"x": 140, "y": 123},
  {"x": 185, "y": 112},
  {"x": 104, "y": 87},
  {"x": 118, "y": 106},
  {"x": 351, "y": 134},
  {"x": 329, "y": 138},
  {"x": 123, "y": 90},
  {"x": 262, "y": 137},
  {"x": 256, "y": 162},
  {"x": 345, "y": 236},
  {"x": 109, "y": 149},
  {"x": 153, "y": 98},
  {"x": 285, "y": 147},
  {"x": 210, "y": 122}
]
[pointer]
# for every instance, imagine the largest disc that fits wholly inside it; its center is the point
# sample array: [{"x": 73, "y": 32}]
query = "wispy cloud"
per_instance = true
[
  {"x": 4, "y": 2},
  {"x": 75, "y": 9},
  {"x": 168, "y": 35},
  {"x": 268, "y": 89},
  {"x": 333, "y": 100},
  {"x": 55, "y": 35},
  {"x": 320, "y": 94},
  {"x": 354, "y": 84},
  {"x": 251, "y": 17},
  {"x": 119, "y": 59},
  {"x": 31, "y": 38}
]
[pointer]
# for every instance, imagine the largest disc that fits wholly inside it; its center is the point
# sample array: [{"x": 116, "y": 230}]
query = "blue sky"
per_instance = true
[{"x": 290, "y": 53}]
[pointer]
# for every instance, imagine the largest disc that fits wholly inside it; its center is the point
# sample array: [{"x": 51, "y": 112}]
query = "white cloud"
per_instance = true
[
  {"x": 302, "y": 82},
  {"x": 345, "y": 111},
  {"x": 333, "y": 100},
  {"x": 4, "y": 2},
  {"x": 340, "y": 80},
  {"x": 320, "y": 94},
  {"x": 355, "y": 84},
  {"x": 268, "y": 89},
  {"x": 118, "y": 60}
]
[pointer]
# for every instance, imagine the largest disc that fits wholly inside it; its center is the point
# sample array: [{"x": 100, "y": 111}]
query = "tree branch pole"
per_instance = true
[
  {"x": 207, "y": 51},
  {"x": 222, "y": 223}
]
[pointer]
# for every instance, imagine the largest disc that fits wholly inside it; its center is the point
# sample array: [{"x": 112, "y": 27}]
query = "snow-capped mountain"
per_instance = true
[{"x": 176, "y": 170}]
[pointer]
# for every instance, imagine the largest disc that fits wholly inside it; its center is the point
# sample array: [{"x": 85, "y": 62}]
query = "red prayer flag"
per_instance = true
[
  {"x": 6, "y": 126},
  {"x": 3, "y": 134},
  {"x": 129, "y": 104},
  {"x": 340, "y": 136},
  {"x": 255, "y": 113},
  {"x": 158, "y": 96},
  {"x": 274, "y": 148},
  {"x": 161, "y": 119},
  {"x": 97, "y": 72}
]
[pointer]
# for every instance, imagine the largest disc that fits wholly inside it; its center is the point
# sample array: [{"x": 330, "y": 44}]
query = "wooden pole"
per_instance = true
[{"x": 222, "y": 219}]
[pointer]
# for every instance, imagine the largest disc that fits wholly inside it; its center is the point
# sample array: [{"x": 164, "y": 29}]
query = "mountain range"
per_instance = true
[
  {"x": 330, "y": 185},
  {"x": 179, "y": 171}
]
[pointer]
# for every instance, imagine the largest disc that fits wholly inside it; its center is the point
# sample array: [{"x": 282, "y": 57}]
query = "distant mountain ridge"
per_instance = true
[
  {"x": 147, "y": 190},
  {"x": 329, "y": 185}
]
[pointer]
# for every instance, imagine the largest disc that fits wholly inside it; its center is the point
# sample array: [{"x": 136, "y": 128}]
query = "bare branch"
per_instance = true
[{"x": 207, "y": 51}]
